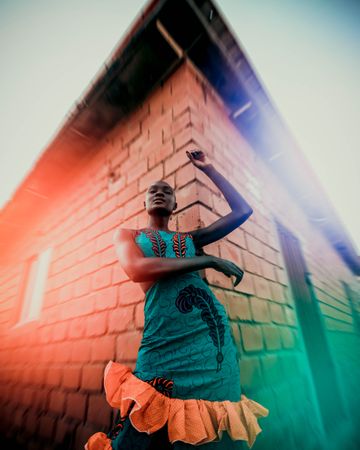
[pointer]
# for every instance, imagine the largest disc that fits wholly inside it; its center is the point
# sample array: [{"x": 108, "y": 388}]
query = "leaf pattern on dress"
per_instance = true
[
  {"x": 191, "y": 296},
  {"x": 179, "y": 245},
  {"x": 158, "y": 243},
  {"x": 163, "y": 385},
  {"x": 119, "y": 423}
]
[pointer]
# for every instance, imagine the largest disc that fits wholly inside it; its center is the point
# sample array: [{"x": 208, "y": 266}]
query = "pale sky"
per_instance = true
[{"x": 306, "y": 54}]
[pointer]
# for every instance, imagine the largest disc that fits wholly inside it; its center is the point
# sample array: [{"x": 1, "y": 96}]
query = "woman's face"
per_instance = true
[{"x": 160, "y": 199}]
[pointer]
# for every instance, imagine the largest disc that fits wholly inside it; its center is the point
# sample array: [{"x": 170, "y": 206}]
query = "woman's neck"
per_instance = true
[{"x": 158, "y": 225}]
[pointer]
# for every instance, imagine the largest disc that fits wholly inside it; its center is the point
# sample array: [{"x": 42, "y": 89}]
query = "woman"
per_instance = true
[{"x": 185, "y": 389}]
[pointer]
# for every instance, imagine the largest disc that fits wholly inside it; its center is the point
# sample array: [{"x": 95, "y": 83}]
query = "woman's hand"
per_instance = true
[
  {"x": 199, "y": 159},
  {"x": 228, "y": 268}
]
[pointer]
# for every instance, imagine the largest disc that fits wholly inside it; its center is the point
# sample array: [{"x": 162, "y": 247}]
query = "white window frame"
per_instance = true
[{"x": 33, "y": 292}]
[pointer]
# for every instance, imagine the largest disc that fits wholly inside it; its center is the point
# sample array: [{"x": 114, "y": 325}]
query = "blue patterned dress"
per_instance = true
[{"x": 187, "y": 349}]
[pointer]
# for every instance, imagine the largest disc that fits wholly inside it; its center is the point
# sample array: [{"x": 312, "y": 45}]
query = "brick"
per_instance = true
[
  {"x": 92, "y": 377},
  {"x": 118, "y": 274},
  {"x": 267, "y": 270},
  {"x": 290, "y": 316},
  {"x": 62, "y": 352},
  {"x": 77, "y": 328},
  {"x": 60, "y": 331},
  {"x": 27, "y": 396},
  {"x": 122, "y": 318},
  {"x": 96, "y": 325},
  {"x": 47, "y": 355},
  {"x": 186, "y": 196},
  {"x": 236, "y": 335},
  {"x": 246, "y": 285},
  {"x": 103, "y": 348},
  {"x": 153, "y": 175},
  {"x": 185, "y": 175},
  {"x": 231, "y": 252},
  {"x": 134, "y": 206},
  {"x": 206, "y": 216},
  {"x": 277, "y": 313},
  {"x": 99, "y": 198},
  {"x": 262, "y": 287},
  {"x": 99, "y": 411},
  {"x": 188, "y": 219},
  {"x": 237, "y": 237},
  {"x": 287, "y": 337},
  {"x": 130, "y": 131},
  {"x": 175, "y": 161},
  {"x": 212, "y": 249},
  {"x": 116, "y": 184},
  {"x": 251, "y": 337},
  {"x": 129, "y": 293},
  {"x": 270, "y": 255},
  {"x": 77, "y": 307},
  {"x": 65, "y": 293},
  {"x": 53, "y": 376},
  {"x": 136, "y": 171},
  {"x": 180, "y": 122},
  {"x": 57, "y": 401},
  {"x": 260, "y": 310},
  {"x": 94, "y": 231},
  {"x": 139, "y": 315},
  {"x": 127, "y": 194},
  {"x": 277, "y": 292},
  {"x": 108, "y": 256},
  {"x": 160, "y": 154},
  {"x": 182, "y": 105},
  {"x": 107, "y": 207},
  {"x": 281, "y": 276},
  {"x": 31, "y": 422},
  {"x": 101, "y": 278},
  {"x": 40, "y": 401},
  {"x": 237, "y": 306},
  {"x": 76, "y": 405},
  {"x": 106, "y": 298},
  {"x": 218, "y": 278},
  {"x": 105, "y": 240},
  {"x": 45, "y": 335},
  {"x": 113, "y": 220},
  {"x": 80, "y": 350},
  {"x": 252, "y": 263},
  {"x": 253, "y": 244},
  {"x": 90, "y": 219},
  {"x": 46, "y": 426},
  {"x": 133, "y": 157},
  {"x": 127, "y": 345},
  {"x": 71, "y": 377},
  {"x": 81, "y": 286},
  {"x": 91, "y": 264},
  {"x": 271, "y": 337},
  {"x": 63, "y": 433}
]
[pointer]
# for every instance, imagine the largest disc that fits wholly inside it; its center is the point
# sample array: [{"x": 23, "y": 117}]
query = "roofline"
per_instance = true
[{"x": 105, "y": 102}]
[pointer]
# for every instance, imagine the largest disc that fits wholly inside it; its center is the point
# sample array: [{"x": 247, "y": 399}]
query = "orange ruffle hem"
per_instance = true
[{"x": 194, "y": 421}]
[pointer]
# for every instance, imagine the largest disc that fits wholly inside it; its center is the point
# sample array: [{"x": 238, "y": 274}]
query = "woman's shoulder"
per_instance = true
[{"x": 124, "y": 233}]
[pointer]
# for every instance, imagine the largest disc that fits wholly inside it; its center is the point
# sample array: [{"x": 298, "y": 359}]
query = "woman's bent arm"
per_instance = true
[
  {"x": 147, "y": 269},
  {"x": 140, "y": 268}
]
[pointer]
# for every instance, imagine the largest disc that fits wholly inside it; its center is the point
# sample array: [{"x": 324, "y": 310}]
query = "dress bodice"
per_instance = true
[{"x": 169, "y": 244}]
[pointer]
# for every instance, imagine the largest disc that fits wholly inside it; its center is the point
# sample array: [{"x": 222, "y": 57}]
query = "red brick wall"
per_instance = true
[{"x": 51, "y": 370}]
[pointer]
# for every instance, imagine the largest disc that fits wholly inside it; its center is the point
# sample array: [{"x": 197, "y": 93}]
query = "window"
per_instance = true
[{"x": 33, "y": 290}]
